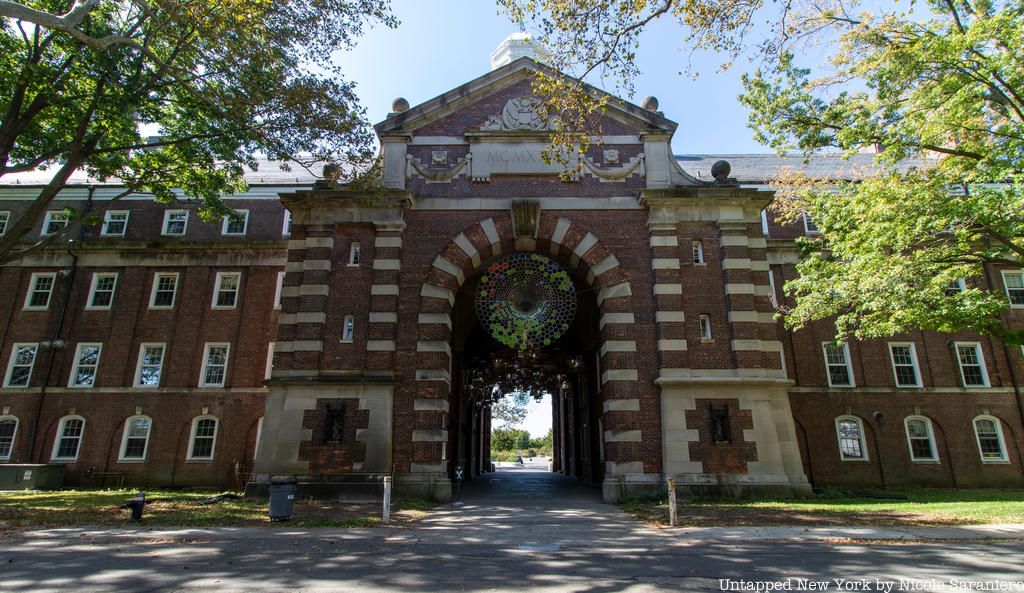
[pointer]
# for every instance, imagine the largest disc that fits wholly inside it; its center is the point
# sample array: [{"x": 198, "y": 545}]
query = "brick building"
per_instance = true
[{"x": 333, "y": 336}]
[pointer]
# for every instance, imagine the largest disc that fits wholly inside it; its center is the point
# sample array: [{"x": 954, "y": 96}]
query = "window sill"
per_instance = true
[
  {"x": 199, "y": 460},
  {"x": 996, "y": 461},
  {"x": 130, "y": 461},
  {"x": 926, "y": 461},
  {"x": 64, "y": 460},
  {"x": 855, "y": 460},
  {"x": 707, "y": 340},
  {"x": 351, "y": 265}
]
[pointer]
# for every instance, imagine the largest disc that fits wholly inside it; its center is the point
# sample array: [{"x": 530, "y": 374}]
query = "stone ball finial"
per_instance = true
[
  {"x": 399, "y": 105},
  {"x": 332, "y": 171},
  {"x": 650, "y": 103},
  {"x": 720, "y": 170}
]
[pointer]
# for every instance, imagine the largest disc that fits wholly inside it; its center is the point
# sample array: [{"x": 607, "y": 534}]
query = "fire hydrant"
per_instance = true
[{"x": 135, "y": 505}]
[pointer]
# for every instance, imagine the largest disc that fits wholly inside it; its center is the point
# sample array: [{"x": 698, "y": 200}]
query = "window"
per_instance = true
[
  {"x": 55, "y": 222},
  {"x": 269, "y": 369},
  {"x": 353, "y": 254},
  {"x": 87, "y": 361},
  {"x": 955, "y": 287},
  {"x": 279, "y": 290},
  {"x": 348, "y": 329},
  {"x": 1014, "y": 283},
  {"x": 704, "y": 326},
  {"x": 203, "y": 439},
  {"x": 972, "y": 364},
  {"x": 165, "y": 285},
  {"x": 39, "y": 290},
  {"x": 920, "y": 439},
  {"x": 215, "y": 365},
  {"x": 69, "y": 438},
  {"x": 115, "y": 223},
  {"x": 764, "y": 222},
  {"x": 698, "y": 252},
  {"x": 850, "y": 433},
  {"x": 225, "y": 293},
  {"x": 175, "y": 222},
  {"x": 236, "y": 224},
  {"x": 810, "y": 227},
  {"x": 904, "y": 364},
  {"x": 990, "y": 439},
  {"x": 135, "y": 440},
  {"x": 19, "y": 369},
  {"x": 8, "y": 428},
  {"x": 286, "y": 228},
  {"x": 837, "y": 364},
  {"x": 101, "y": 293},
  {"x": 151, "y": 361},
  {"x": 5, "y": 219}
]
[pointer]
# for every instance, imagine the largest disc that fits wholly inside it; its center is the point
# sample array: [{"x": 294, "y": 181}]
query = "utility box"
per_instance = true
[
  {"x": 31, "y": 476},
  {"x": 282, "y": 500}
]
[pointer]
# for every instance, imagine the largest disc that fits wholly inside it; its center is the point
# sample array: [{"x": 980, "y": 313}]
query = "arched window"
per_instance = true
[
  {"x": 850, "y": 433},
  {"x": 8, "y": 428},
  {"x": 991, "y": 445},
  {"x": 920, "y": 439},
  {"x": 135, "y": 440},
  {"x": 203, "y": 439},
  {"x": 69, "y": 438}
]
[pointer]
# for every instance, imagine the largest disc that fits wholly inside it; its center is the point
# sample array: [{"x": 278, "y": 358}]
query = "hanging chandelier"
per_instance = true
[{"x": 522, "y": 371}]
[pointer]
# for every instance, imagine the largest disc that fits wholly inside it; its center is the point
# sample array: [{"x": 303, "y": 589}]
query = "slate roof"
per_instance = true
[
  {"x": 761, "y": 168},
  {"x": 267, "y": 173}
]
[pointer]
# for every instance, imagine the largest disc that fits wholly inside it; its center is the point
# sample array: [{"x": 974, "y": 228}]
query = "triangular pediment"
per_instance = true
[{"x": 490, "y": 104}]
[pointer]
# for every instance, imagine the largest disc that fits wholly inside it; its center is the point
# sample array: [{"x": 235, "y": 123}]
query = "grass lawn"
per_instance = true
[
  {"x": 66, "y": 508},
  {"x": 923, "y": 507}
]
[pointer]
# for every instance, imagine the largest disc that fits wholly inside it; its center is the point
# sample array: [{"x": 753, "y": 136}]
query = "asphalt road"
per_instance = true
[{"x": 518, "y": 531}]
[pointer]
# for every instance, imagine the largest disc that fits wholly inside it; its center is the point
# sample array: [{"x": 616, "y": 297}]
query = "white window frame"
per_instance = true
[
  {"x": 704, "y": 328},
  {"x": 14, "y": 358},
  {"x": 1004, "y": 458},
  {"x": 697, "y": 251},
  {"x": 981, "y": 362},
  {"x": 49, "y": 218},
  {"x": 14, "y": 435},
  {"x": 259, "y": 434},
  {"x": 192, "y": 438},
  {"x": 959, "y": 283},
  {"x": 156, "y": 283},
  {"x": 355, "y": 253},
  {"x": 931, "y": 439},
  {"x": 764, "y": 223},
  {"x": 60, "y": 435},
  {"x": 245, "y": 224},
  {"x": 121, "y": 458},
  {"x": 36, "y": 276},
  {"x": 286, "y": 226},
  {"x": 810, "y": 227},
  {"x": 1006, "y": 287},
  {"x": 139, "y": 365},
  {"x": 217, "y": 286},
  {"x": 914, "y": 363},
  {"x": 5, "y": 221},
  {"x": 269, "y": 369},
  {"x": 90, "y": 304},
  {"x": 772, "y": 295},
  {"x": 862, "y": 439},
  {"x": 106, "y": 222},
  {"x": 348, "y": 329},
  {"x": 72, "y": 380},
  {"x": 167, "y": 219},
  {"x": 206, "y": 361},
  {"x": 279, "y": 290},
  {"x": 847, "y": 358}
]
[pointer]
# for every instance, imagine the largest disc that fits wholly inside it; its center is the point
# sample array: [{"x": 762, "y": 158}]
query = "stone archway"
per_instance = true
[{"x": 564, "y": 240}]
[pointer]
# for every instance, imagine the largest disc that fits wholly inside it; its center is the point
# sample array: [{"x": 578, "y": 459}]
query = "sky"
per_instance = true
[
  {"x": 441, "y": 44},
  {"x": 538, "y": 417}
]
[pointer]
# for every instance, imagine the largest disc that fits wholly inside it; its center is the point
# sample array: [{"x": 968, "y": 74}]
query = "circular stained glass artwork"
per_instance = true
[{"x": 525, "y": 301}]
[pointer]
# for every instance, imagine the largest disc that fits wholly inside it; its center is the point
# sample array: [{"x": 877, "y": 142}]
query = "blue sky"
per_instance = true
[{"x": 442, "y": 44}]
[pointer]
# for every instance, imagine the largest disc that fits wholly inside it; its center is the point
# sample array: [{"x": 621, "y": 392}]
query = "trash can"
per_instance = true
[{"x": 282, "y": 499}]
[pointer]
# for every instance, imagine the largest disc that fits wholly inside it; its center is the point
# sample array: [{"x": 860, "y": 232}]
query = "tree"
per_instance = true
[
  {"x": 511, "y": 410},
  {"x": 224, "y": 82},
  {"x": 941, "y": 83},
  {"x": 509, "y": 439}
]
